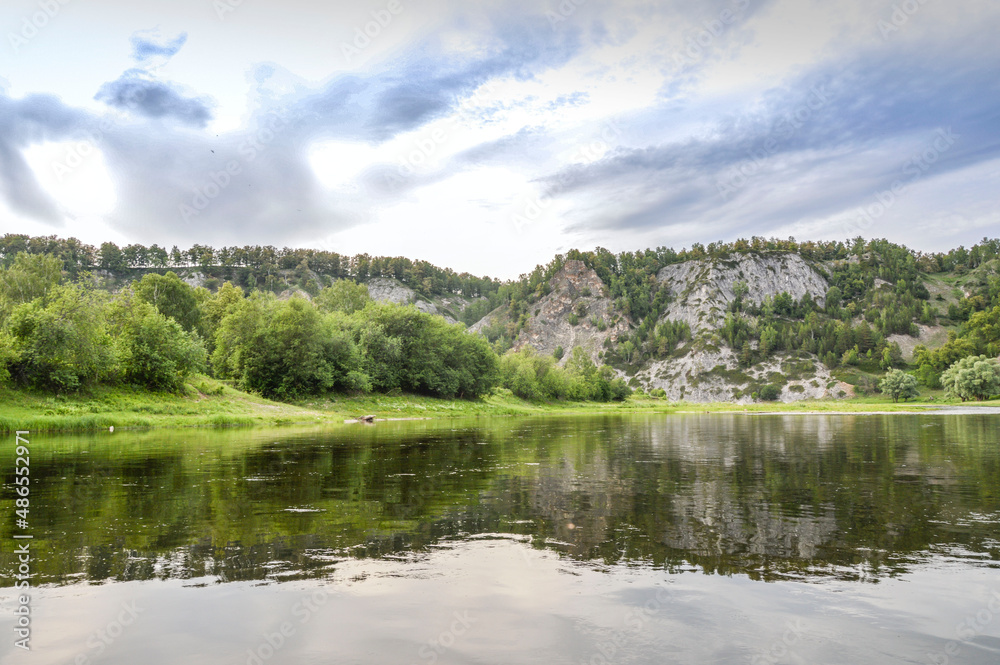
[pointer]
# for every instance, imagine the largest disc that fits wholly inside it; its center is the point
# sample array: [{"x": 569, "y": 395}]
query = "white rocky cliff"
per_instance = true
[{"x": 703, "y": 289}]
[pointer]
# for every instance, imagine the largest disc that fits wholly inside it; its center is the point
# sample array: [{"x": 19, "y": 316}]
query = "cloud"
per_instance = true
[
  {"x": 823, "y": 143},
  {"x": 34, "y": 119},
  {"x": 148, "y": 45},
  {"x": 820, "y": 142},
  {"x": 136, "y": 92}
]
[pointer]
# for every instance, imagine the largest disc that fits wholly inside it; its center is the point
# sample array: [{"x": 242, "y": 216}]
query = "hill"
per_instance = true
[{"x": 749, "y": 320}]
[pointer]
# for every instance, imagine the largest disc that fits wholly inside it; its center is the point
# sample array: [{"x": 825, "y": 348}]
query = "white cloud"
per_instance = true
[
  {"x": 337, "y": 163},
  {"x": 76, "y": 176},
  {"x": 603, "y": 91}
]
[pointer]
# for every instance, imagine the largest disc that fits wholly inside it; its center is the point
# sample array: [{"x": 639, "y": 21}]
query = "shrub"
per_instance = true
[
  {"x": 343, "y": 296},
  {"x": 899, "y": 385},
  {"x": 769, "y": 393},
  {"x": 154, "y": 351},
  {"x": 60, "y": 342},
  {"x": 975, "y": 377},
  {"x": 172, "y": 297}
]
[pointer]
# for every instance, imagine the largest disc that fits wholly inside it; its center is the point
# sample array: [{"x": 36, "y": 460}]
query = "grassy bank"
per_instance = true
[{"x": 206, "y": 402}]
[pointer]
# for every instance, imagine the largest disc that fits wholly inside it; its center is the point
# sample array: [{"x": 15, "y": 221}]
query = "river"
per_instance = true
[{"x": 727, "y": 538}]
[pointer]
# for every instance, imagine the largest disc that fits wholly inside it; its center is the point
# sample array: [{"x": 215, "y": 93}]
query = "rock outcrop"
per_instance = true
[
  {"x": 703, "y": 289},
  {"x": 385, "y": 289},
  {"x": 577, "y": 311},
  {"x": 714, "y": 375}
]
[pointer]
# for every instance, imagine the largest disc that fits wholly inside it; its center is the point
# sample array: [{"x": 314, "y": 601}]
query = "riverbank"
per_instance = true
[{"x": 210, "y": 403}]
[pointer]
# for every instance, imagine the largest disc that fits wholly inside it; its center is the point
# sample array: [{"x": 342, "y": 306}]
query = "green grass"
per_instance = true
[
  {"x": 209, "y": 403},
  {"x": 204, "y": 402}
]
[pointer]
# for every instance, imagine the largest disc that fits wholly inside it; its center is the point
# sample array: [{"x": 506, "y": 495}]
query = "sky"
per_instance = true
[{"x": 489, "y": 136}]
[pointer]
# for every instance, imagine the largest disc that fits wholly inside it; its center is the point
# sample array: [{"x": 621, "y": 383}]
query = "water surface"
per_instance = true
[{"x": 643, "y": 539}]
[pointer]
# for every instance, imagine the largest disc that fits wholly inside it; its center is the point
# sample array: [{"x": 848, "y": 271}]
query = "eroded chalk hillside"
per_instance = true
[
  {"x": 577, "y": 311},
  {"x": 385, "y": 289},
  {"x": 702, "y": 291},
  {"x": 706, "y": 369}
]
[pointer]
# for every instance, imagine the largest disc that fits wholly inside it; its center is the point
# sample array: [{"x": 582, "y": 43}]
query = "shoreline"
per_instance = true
[
  {"x": 949, "y": 410},
  {"x": 210, "y": 403}
]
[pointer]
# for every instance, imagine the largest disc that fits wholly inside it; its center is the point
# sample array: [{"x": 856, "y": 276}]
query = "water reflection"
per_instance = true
[{"x": 771, "y": 497}]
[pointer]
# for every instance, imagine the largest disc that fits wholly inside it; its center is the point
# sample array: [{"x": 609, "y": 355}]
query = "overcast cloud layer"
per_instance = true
[{"x": 489, "y": 136}]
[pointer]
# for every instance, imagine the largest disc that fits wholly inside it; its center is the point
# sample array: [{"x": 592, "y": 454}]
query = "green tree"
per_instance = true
[
  {"x": 215, "y": 308},
  {"x": 153, "y": 351},
  {"x": 60, "y": 342},
  {"x": 112, "y": 258},
  {"x": 235, "y": 334},
  {"x": 532, "y": 376},
  {"x": 291, "y": 350},
  {"x": 343, "y": 296},
  {"x": 833, "y": 297},
  {"x": 975, "y": 377},
  {"x": 768, "y": 341},
  {"x": 928, "y": 376},
  {"x": 7, "y": 355},
  {"x": 851, "y": 357},
  {"x": 406, "y": 349},
  {"x": 769, "y": 393},
  {"x": 984, "y": 329},
  {"x": 30, "y": 276},
  {"x": 172, "y": 297},
  {"x": 587, "y": 382},
  {"x": 899, "y": 385}
]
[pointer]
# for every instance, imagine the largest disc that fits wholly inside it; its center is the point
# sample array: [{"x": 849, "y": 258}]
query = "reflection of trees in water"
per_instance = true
[
  {"x": 772, "y": 495},
  {"x": 761, "y": 495}
]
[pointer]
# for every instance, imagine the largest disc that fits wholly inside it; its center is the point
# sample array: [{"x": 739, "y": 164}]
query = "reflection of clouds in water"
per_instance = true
[{"x": 732, "y": 494}]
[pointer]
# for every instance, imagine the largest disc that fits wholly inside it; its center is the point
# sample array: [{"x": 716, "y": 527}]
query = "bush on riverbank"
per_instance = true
[{"x": 156, "y": 333}]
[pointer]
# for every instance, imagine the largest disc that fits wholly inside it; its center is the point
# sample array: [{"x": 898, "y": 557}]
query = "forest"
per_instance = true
[
  {"x": 60, "y": 334},
  {"x": 61, "y": 330}
]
